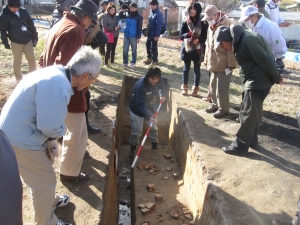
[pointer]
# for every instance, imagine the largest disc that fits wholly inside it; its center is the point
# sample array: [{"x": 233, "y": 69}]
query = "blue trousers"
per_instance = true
[{"x": 132, "y": 41}]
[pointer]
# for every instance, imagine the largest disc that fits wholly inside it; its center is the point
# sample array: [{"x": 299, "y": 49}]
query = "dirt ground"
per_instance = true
[{"x": 261, "y": 186}]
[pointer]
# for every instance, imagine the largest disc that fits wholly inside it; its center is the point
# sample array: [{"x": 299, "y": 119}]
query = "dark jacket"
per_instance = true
[
  {"x": 254, "y": 54},
  {"x": 11, "y": 26},
  {"x": 155, "y": 23},
  {"x": 193, "y": 56},
  {"x": 133, "y": 25},
  {"x": 142, "y": 94}
]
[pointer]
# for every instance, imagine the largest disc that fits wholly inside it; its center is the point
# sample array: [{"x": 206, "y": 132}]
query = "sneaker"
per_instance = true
[
  {"x": 211, "y": 109},
  {"x": 148, "y": 61},
  {"x": 124, "y": 65},
  {"x": 219, "y": 113},
  {"x": 64, "y": 200},
  {"x": 132, "y": 65},
  {"x": 62, "y": 223}
]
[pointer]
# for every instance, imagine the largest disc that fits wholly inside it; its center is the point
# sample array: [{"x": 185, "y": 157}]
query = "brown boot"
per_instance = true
[
  {"x": 148, "y": 61},
  {"x": 195, "y": 91},
  {"x": 184, "y": 88}
]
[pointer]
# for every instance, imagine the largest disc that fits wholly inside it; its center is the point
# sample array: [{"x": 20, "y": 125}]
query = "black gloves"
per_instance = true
[
  {"x": 34, "y": 41},
  {"x": 7, "y": 46}
]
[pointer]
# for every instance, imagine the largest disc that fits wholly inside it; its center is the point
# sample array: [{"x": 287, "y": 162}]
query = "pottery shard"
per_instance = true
[
  {"x": 151, "y": 171},
  {"x": 174, "y": 215},
  {"x": 192, "y": 223},
  {"x": 189, "y": 216},
  {"x": 175, "y": 175},
  {"x": 141, "y": 206},
  {"x": 166, "y": 178},
  {"x": 151, "y": 187},
  {"x": 141, "y": 166},
  {"x": 187, "y": 211},
  {"x": 167, "y": 156},
  {"x": 147, "y": 167},
  {"x": 162, "y": 170},
  {"x": 145, "y": 210},
  {"x": 159, "y": 197},
  {"x": 145, "y": 223},
  {"x": 172, "y": 160},
  {"x": 169, "y": 169},
  {"x": 150, "y": 205}
]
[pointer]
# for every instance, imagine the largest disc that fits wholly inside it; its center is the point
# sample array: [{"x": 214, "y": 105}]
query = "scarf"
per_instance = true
[
  {"x": 216, "y": 25},
  {"x": 195, "y": 34}
]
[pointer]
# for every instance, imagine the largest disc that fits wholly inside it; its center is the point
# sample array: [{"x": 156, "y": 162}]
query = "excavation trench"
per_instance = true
[{"x": 184, "y": 197}]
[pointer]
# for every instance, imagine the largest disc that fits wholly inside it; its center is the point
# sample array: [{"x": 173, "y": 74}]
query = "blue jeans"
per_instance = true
[
  {"x": 186, "y": 69},
  {"x": 136, "y": 123},
  {"x": 132, "y": 41},
  {"x": 152, "y": 52}
]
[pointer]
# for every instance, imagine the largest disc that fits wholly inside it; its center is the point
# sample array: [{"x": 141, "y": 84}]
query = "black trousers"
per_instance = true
[
  {"x": 250, "y": 118},
  {"x": 280, "y": 63},
  {"x": 111, "y": 51},
  {"x": 152, "y": 51},
  {"x": 88, "y": 97}
]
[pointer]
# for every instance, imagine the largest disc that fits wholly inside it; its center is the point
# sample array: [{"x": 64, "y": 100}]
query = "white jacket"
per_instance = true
[
  {"x": 273, "y": 9},
  {"x": 272, "y": 33}
]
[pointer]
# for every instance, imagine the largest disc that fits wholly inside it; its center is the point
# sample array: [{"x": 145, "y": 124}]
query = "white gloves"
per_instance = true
[{"x": 52, "y": 148}]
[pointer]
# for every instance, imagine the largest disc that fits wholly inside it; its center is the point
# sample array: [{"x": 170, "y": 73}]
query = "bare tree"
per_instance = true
[{"x": 224, "y": 5}]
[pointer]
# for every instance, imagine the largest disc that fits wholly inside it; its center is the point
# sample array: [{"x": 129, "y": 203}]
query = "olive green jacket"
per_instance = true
[{"x": 256, "y": 59}]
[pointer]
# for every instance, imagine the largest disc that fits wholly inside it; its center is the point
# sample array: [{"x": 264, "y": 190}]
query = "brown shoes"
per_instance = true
[
  {"x": 185, "y": 89},
  {"x": 195, "y": 91},
  {"x": 211, "y": 109},
  {"x": 148, "y": 61},
  {"x": 81, "y": 177}
]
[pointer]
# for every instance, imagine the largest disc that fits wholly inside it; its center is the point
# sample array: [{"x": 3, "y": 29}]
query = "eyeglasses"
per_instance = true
[{"x": 94, "y": 79}]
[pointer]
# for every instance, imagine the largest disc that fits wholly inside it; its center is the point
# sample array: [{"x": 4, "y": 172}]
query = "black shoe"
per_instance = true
[
  {"x": 231, "y": 150},
  {"x": 86, "y": 155},
  {"x": 93, "y": 129},
  {"x": 131, "y": 153},
  {"x": 154, "y": 146}
]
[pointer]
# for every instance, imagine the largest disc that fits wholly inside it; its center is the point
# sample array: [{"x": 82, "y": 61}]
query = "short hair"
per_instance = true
[
  {"x": 110, "y": 6},
  {"x": 197, "y": 7},
  {"x": 14, "y": 3},
  {"x": 134, "y": 5},
  {"x": 85, "y": 60},
  {"x": 153, "y": 72},
  {"x": 260, "y": 3}
]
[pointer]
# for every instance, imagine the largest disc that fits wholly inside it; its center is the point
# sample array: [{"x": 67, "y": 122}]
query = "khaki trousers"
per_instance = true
[
  {"x": 219, "y": 87},
  {"x": 37, "y": 172},
  {"x": 74, "y": 144},
  {"x": 17, "y": 51}
]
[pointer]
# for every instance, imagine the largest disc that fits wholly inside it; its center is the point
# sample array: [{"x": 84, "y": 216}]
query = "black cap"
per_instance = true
[
  {"x": 153, "y": 2},
  {"x": 222, "y": 34},
  {"x": 104, "y": 3},
  {"x": 88, "y": 7}
]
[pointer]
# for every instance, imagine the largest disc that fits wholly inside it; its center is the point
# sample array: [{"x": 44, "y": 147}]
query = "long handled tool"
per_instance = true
[{"x": 146, "y": 135}]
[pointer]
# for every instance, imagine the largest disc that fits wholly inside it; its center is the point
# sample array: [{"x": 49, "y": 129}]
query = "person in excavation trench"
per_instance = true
[{"x": 143, "y": 106}]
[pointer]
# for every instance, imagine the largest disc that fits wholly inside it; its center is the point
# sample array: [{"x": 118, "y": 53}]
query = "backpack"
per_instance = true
[{"x": 163, "y": 28}]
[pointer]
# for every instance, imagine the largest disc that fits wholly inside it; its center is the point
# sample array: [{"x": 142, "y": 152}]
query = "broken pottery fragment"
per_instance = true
[{"x": 151, "y": 187}]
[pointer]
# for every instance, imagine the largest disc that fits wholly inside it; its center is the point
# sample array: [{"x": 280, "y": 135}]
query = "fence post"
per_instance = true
[{"x": 166, "y": 17}]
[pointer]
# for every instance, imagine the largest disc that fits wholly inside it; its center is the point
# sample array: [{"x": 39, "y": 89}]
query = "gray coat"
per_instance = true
[{"x": 109, "y": 23}]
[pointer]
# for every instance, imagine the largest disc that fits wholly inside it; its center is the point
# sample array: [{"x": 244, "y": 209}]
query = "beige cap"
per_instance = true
[{"x": 210, "y": 10}]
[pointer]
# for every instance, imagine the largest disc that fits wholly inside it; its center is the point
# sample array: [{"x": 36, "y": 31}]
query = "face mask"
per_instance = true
[
  {"x": 211, "y": 22},
  {"x": 249, "y": 24},
  {"x": 133, "y": 13}
]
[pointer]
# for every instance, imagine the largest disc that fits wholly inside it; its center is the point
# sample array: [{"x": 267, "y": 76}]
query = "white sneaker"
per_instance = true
[
  {"x": 132, "y": 65},
  {"x": 64, "y": 200},
  {"x": 124, "y": 65},
  {"x": 62, "y": 223}
]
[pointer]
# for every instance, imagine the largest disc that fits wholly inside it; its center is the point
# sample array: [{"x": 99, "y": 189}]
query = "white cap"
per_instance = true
[{"x": 247, "y": 11}]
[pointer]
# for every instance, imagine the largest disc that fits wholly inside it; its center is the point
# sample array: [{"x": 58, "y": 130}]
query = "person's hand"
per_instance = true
[
  {"x": 162, "y": 99},
  {"x": 7, "y": 46},
  {"x": 285, "y": 24},
  {"x": 34, "y": 42},
  {"x": 155, "y": 39},
  {"x": 196, "y": 41},
  {"x": 52, "y": 148},
  {"x": 281, "y": 81},
  {"x": 152, "y": 120},
  {"x": 138, "y": 40}
]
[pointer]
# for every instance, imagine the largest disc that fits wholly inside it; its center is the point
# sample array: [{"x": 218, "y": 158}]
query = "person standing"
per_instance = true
[
  {"x": 104, "y": 5},
  {"x": 196, "y": 31},
  {"x": 110, "y": 24},
  {"x": 155, "y": 23},
  {"x": 219, "y": 62},
  {"x": 16, "y": 25},
  {"x": 266, "y": 28},
  {"x": 272, "y": 7},
  {"x": 143, "y": 106},
  {"x": 64, "y": 38},
  {"x": 259, "y": 72},
  {"x": 11, "y": 189},
  {"x": 132, "y": 34},
  {"x": 33, "y": 118},
  {"x": 260, "y": 5}
]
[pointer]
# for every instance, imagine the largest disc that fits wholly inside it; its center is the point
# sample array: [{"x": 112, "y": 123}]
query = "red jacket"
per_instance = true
[{"x": 62, "y": 42}]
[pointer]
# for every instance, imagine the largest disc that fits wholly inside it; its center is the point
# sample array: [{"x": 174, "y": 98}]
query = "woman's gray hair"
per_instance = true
[{"x": 85, "y": 60}]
